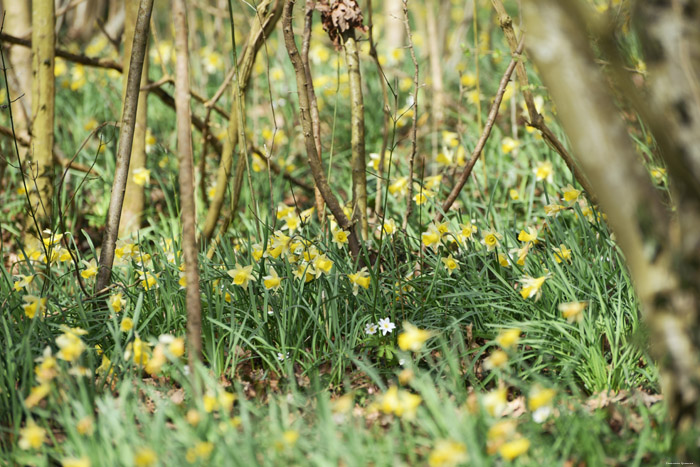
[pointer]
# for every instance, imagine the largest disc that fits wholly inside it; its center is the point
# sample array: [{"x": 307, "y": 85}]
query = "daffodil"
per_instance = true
[
  {"x": 562, "y": 253},
  {"x": 508, "y": 338},
  {"x": 32, "y": 436},
  {"x": 573, "y": 311},
  {"x": 450, "y": 263},
  {"x": 75, "y": 462},
  {"x": 447, "y": 453},
  {"x": 389, "y": 226},
  {"x": 497, "y": 359},
  {"x": 141, "y": 176},
  {"x": 532, "y": 286},
  {"x": 359, "y": 279},
  {"x": 37, "y": 394},
  {"x": 400, "y": 402},
  {"x": 491, "y": 239},
  {"x": 69, "y": 343},
  {"x": 528, "y": 236},
  {"x": 126, "y": 324},
  {"x": 412, "y": 338},
  {"x": 145, "y": 457},
  {"x": 340, "y": 237},
  {"x": 509, "y": 144},
  {"x": 570, "y": 193},
  {"x": 272, "y": 281},
  {"x": 467, "y": 231},
  {"x": 540, "y": 402},
  {"x": 322, "y": 265},
  {"x": 552, "y": 210},
  {"x": 515, "y": 448},
  {"x": 117, "y": 302},
  {"x": 22, "y": 282},
  {"x": 34, "y": 305},
  {"x": 544, "y": 171},
  {"x": 495, "y": 401},
  {"x": 241, "y": 275}
]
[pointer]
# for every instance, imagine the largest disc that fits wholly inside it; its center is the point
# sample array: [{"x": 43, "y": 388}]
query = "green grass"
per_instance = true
[{"x": 287, "y": 410}]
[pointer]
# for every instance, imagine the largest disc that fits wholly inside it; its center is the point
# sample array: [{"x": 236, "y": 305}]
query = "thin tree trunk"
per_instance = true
[
  {"x": 393, "y": 24},
  {"x": 661, "y": 252},
  {"x": 134, "y": 197},
  {"x": 41, "y": 153},
  {"x": 18, "y": 21},
  {"x": 126, "y": 135},
  {"x": 266, "y": 18},
  {"x": 184, "y": 151},
  {"x": 357, "y": 125},
  {"x": 311, "y": 155}
]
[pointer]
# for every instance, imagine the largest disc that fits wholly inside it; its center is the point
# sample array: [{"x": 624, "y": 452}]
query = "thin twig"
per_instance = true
[
  {"x": 484, "y": 135},
  {"x": 414, "y": 124}
]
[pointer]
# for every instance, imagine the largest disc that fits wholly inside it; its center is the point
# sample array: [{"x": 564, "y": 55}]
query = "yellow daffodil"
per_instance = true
[
  {"x": 145, "y": 457},
  {"x": 272, "y": 281},
  {"x": 573, "y": 311},
  {"x": 532, "y": 286},
  {"x": 508, "y": 338},
  {"x": 497, "y": 359},
  {"x": 412, "y": 338},
  {"x": 450, "y": 263},
  {"x": 359, "y": 279},
  {"x": 241, "y": 275},
  {"x": 515, "y": 448},
  {"x": 509, "y": 144},
  {"x": 117, "y": 302},
  {"x": 34, "y": 305},
  {"x": 529, "y": 236},
  {"x": 491, "y": 239},
  {"x": 570, "y": 193},
  {"x": 141, "y": 176},
  {"x": 447, "y": 453},
  {"x": 32, "y": 436},
  {"x": 562, "y": 254},
  {"x": 69, "y": 343},
  {"x": 544, "y": 171},
  {"x": 76, "y": 462},
  {"x": 126, "y": 324},
  {"x": 495, "y": 401}
]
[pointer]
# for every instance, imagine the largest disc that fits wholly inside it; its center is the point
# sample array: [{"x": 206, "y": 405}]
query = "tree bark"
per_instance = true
[
  {"x": 187, "y": 203},
  {"x": 661, "y": 253},
  {"x": 18, "y": 21},
  {"x": 126, "y": 135},
  {"x": 357, "y": 124},
  {"x": 268, "y": 14},
  {"x": 134, "y": 197},
  {"x": 41, "y": 154},
  {"x": 311, "y": 156}
]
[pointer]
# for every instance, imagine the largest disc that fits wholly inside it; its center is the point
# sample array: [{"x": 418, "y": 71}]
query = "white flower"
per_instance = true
[
  {"x": 281, "y": 356},
  {"x": 370, "y": 328},
  {"x": 386, "y": 326},
  {"x": 541, "y": 414}
]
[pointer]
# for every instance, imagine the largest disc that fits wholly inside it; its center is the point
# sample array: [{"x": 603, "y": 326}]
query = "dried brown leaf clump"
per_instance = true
[{"x": 339, "y": 17}]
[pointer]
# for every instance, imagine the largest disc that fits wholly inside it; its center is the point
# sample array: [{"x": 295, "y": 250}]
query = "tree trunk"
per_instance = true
[
  {"x": 184, "y": 151},
  {"x": 18, "y": 21},
  {"x": 134, "y": 196},
  {"x": 126, "y": 136},
  {"x": 662, "y": 253},
  {"x": 357, "y": 123},
  {"x": 41, "y": 154}
]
